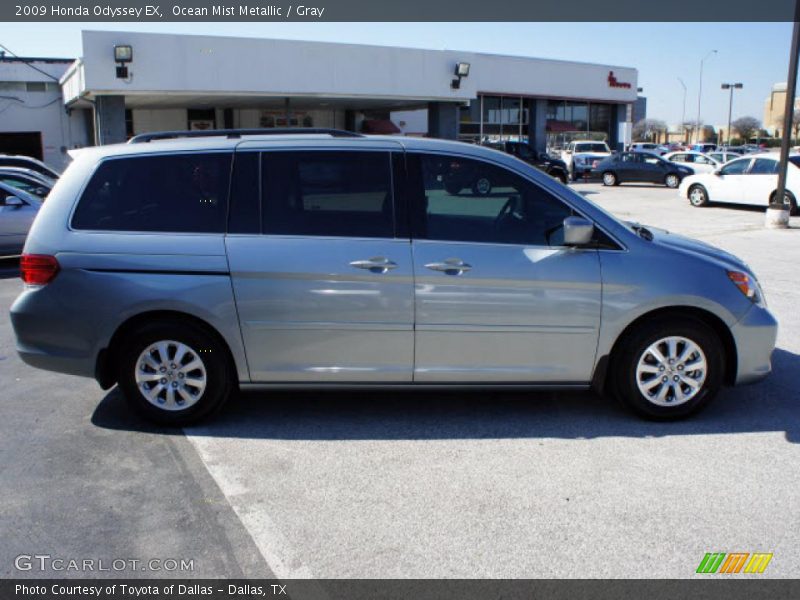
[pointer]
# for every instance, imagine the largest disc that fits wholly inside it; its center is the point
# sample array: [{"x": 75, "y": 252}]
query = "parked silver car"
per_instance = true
[
  {"x": 18, "y": 209},
  {"x": 185, "y": 269}
]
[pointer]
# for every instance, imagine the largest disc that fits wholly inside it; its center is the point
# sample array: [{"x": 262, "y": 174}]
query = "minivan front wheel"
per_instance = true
[
  {"x": 174, "y": 373},
  {"x": 609, "y": 179},
  {"x": 669, "y": 368}
]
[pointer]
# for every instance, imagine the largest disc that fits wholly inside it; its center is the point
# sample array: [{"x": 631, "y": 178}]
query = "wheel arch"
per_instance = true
[
  {"x": 605, "y": 363},
  {"x": 105, "y": 366}
]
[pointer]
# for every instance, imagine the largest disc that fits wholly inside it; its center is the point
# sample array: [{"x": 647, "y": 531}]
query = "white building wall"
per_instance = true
[
  {"x": 187, "y": 64},
  {"x": 34, "y": 111}
]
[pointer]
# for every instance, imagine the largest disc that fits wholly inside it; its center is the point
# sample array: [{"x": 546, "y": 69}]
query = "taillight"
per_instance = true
[{"x": 38, "y": 269}]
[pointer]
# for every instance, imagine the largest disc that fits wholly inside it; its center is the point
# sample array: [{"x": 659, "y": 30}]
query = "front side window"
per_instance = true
[
  {"x": 182, "y": 193},
  {"x": 680, "y": 158},
  {"x": 466, "y": 200},
  {"x": 703, "y": 160},
  {"x": 737, "y": 167},
  {"x": 345, "y": 194}
]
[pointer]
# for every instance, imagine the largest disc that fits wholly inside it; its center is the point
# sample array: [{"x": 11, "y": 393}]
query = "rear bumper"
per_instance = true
[{"x": 755, "y": 335}]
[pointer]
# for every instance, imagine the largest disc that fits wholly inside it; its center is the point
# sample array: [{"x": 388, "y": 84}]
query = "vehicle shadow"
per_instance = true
[{"x": 771, "y": 405}]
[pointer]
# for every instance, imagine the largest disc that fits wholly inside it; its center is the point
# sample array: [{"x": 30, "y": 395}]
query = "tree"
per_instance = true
[
  {"x": 796, "y": 123},
  {"x": 746, "y": 127},
  {"x": 647, "y": 129}
]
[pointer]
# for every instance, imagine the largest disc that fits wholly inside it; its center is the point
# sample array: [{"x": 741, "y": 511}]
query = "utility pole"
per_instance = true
[
  {"x": 731, "y": 87},
  {"x": 700, "y": 95},
  {"x": 683, "y": 112},
  {"x": 778, "y": 212}
]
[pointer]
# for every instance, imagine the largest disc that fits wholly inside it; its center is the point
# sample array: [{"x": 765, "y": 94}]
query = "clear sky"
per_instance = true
[{"x": 755, "y": 54}]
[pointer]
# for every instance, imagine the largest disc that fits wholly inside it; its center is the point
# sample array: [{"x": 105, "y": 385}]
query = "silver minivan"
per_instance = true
[{"x": 185, "y": 269}]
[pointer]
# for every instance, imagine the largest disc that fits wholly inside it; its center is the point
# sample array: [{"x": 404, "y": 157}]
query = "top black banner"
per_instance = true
[{"x": 399, "y": 10}]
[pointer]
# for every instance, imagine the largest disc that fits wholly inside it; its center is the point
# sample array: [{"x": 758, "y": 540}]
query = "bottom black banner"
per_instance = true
[{"x": 399, "y": 589}]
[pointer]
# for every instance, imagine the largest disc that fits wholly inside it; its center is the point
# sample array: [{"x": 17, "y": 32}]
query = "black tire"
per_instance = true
[
  {"x": 452, "y": 188},
  {"x": 219, "y": 375},
  {"x": 633, "y": 348},
  {"x": 482, "y": 186},
  {"x": 698, "y": 196},
  {"x": 790, "y": 200},
  {"x": 610, "y": 179},
  {"x": 672, "y": 180}
]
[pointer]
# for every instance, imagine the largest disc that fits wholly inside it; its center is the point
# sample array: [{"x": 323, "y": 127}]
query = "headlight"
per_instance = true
[{"x": 747, "y": 285}]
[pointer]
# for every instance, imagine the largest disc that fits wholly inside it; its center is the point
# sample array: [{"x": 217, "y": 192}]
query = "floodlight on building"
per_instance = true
[{"x": 461, "y": 71}]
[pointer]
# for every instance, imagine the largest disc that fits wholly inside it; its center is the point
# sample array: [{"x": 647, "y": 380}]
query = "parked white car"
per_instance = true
[
  {"x": 580, "y": 156},
  {"x": 751, "y": 179},
  {"x": 724, "y": 156},
  {"x": 648, "y": 147},
  {"x": 18, "y": 208},
  {"x": 697, "y": 161}
]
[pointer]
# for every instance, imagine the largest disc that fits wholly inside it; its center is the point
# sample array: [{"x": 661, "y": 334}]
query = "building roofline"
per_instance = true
[
  {"x": 29, "y": 59},
  {"x": 327, "y": 43}
]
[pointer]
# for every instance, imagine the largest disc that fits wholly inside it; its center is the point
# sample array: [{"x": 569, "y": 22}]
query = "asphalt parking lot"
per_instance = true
[{"x": 384, "y": 485}]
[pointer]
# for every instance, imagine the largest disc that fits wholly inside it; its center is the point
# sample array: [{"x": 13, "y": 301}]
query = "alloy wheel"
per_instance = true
[
  {"x": 671, "y": 371},
  {"x": 170, "y": 375}
]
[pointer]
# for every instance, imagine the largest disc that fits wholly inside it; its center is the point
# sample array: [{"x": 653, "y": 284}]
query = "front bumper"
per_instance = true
[{"x": 755, "y": 335}]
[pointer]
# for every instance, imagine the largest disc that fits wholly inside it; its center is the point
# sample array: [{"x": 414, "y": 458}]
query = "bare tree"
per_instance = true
[
  {"x": 746, "y": 127},
  {"x": 647, "y": 129},
  {"x": 796, "y": 123}
]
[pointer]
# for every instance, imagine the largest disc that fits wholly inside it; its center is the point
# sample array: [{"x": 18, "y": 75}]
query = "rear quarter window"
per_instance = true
[{"x": 182, "y": 193}]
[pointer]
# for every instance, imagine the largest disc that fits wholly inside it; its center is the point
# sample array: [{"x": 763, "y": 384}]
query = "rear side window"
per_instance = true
[
  {"x": 169, "y": 193},
  {"x": 764, "y": 166},
  {"x": 343, "y": 194}
]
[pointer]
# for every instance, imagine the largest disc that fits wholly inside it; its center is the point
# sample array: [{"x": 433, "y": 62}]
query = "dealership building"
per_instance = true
[{"x": 129, "y": 83}]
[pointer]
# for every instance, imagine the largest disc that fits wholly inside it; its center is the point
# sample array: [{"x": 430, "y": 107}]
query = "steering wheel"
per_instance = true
[{"x": 507, "y": 209}]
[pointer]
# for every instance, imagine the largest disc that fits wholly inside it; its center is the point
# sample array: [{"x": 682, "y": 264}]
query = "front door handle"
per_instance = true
[
  {"x": 376, "y": 264},
  {"x": 451, "y": 266}
]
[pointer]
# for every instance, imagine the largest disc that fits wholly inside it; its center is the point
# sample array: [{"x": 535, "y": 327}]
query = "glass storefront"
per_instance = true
[{"x": 492, "y": 118}]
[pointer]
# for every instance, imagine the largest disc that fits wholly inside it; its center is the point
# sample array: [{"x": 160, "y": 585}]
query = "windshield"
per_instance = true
[{"x": 591, "y": 147}]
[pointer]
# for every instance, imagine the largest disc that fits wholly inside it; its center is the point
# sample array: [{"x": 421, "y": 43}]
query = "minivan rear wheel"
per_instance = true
[
  {"x": 668, "y": 368},
  {"x": 174, "y": 373},
  {"x": 609, "y": 178}
]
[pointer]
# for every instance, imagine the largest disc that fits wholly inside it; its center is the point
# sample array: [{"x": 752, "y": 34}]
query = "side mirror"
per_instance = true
[
  {"x": 718, "y": 172},
  {"x": 569, "y": 151},
  {"x": 13, "y": 201},
  {"x": 578, "y": 231}
]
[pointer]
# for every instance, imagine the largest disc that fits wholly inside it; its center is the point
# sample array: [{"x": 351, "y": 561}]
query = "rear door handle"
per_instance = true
[
  {"x": 451, "y": 266},
  {"x": 376, "y": 264}
]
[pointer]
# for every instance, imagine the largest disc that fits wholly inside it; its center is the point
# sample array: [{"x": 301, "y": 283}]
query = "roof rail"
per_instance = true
[{"x": 237, "y": 133}]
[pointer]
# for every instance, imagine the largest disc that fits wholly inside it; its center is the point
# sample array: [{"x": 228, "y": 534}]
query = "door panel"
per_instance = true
[
  {"x": 324, "y": 291},
  {"x": 498, "y": 298},
  {"x": 308, "y": 315},
  {"x": 520, "y": 314}
]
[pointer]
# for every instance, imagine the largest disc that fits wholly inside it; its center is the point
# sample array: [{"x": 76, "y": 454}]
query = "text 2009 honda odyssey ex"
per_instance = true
[{"x": 186, "y": 268}]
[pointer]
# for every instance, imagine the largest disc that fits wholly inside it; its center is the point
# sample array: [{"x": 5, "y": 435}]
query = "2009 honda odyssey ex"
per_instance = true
[{"x": 186, "y": 268}]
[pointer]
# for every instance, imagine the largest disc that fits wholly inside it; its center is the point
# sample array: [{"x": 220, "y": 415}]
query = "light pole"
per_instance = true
[
  {"x": 683, "y": 112},
  {"x": 731, "y": 87},
  {"x": 700, "y": 95}
]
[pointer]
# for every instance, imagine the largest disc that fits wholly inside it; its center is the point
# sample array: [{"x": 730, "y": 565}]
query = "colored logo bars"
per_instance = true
[{"x": 734, "y": 562}]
